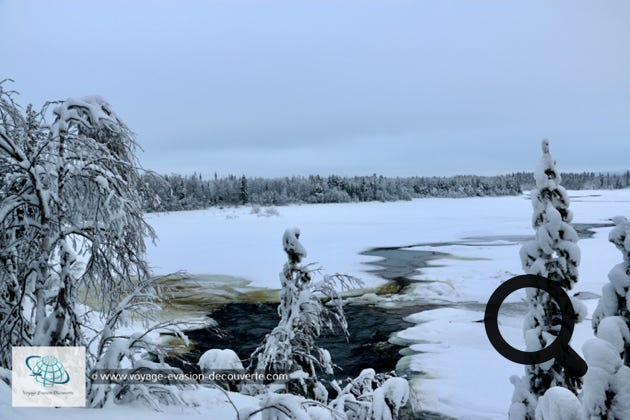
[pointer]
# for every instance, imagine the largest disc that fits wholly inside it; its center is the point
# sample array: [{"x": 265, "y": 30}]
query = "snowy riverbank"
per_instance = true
[{"x": 457, "y": 372}]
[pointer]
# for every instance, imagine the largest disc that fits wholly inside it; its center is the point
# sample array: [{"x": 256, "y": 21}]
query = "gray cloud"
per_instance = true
[{"x": 353, "y": 87}]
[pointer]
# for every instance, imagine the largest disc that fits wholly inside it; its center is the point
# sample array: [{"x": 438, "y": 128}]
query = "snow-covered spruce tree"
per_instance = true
[
  {"x": 243, "y": 194},
  {"x": 606, "y": 392},
  {"x": 291, "y": 347},
  {"x": 553, "y": 254},
  {"x": 615, "y": 300}
]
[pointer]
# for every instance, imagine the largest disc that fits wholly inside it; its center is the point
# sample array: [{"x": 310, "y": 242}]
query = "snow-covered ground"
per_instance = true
[
  {"x": 235, "y": 242},
  {"x": 211, "y": 404},
  {"x": 464, "y": 376}
]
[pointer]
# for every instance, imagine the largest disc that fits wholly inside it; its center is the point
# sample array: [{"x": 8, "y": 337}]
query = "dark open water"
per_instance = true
[{"x": 243, "y": 325}]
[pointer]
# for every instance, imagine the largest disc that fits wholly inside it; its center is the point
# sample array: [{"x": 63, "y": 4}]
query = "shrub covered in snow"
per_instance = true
[
  {"x": 553, "y": 254},
  {"x": 116, "y": 346},
  {"x": 355, "y": 398},
  {"x": 369, "y": 396},
  {"x": 274, "y": 406},
  {"x": 388, "y": 399},
  {"x": 372, "y": 395}
]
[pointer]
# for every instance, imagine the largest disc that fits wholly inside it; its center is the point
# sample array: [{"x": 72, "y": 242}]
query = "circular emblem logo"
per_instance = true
[{"x": 47, "y": 370}]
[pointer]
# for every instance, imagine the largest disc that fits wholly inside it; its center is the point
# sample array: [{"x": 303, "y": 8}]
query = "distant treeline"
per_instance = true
[{"x": 177, "y": 192}]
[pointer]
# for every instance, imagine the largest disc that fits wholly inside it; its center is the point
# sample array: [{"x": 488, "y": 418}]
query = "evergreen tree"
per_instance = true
[
  {"x": 616, "y": 293},
  {"x": 553, "y": 254},
  {"x": 243, "y": 192},
  {"x": 606, "y": 393}
]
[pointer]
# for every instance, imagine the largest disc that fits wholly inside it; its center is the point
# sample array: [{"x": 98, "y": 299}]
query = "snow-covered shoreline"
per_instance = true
[{"x": 462, "y": 375}]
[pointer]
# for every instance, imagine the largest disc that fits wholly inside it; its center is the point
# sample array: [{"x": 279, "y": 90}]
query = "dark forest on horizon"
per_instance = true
[{"x": 191, "y": 192}]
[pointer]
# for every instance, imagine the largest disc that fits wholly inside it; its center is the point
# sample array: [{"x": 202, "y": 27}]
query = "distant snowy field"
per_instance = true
[
  {"x": 465, "y": 377},
  {"x": 235, "y": 242}
]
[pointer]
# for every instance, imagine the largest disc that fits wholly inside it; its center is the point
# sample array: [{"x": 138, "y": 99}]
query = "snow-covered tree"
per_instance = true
[
  {"x": 369, "y": 396},
  {"x": 72, "y": 228},
  {"x": 606, "y": 393},
  {"x": 291, "y": 347},
  {"x": 553, "y": 254},
  {"x": 243, "y": 194},
  {"x": 72, "y": 215},
  {"x": 18, "y": 245},
  {"x": 616, "y": 293},
  {"x": 606, "y": 390}
]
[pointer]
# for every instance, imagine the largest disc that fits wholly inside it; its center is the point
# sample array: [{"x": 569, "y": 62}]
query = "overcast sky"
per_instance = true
[{"x": 349, "y": 87}]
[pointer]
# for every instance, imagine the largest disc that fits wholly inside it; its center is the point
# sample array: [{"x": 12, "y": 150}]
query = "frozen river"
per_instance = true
[{"x": 473, "y": 244}]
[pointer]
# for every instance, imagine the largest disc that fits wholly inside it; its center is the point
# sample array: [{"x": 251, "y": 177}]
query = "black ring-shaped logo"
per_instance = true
[{"x": 559, "y": 349}]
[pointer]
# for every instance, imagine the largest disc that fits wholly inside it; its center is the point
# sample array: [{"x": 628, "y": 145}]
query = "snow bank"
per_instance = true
[
  {"x": 558, "y": 404},
  {"x": 217, "y": 359}
]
